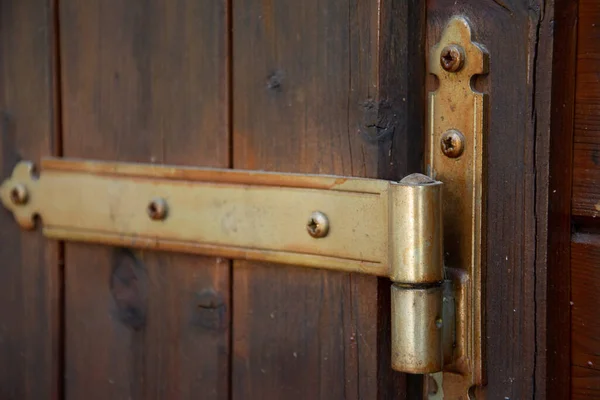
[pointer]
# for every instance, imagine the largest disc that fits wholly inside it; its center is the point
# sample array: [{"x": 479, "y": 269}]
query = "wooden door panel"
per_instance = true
[
  {"x": 145, "y": 81},
  {"x": 586, "y": 149},
  {"x": 29, "y": 271},
  {"x": 585, "y": 300},
  {"x": 299, "y": 86},
  {"x": 585, "y": 208},
  {"x": 321, "y": 87}
]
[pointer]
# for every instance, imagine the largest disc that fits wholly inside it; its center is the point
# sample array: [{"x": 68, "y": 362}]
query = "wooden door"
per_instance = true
[
  {"x": 575, "y": 239},
  {"x": 329, "y": 86}
]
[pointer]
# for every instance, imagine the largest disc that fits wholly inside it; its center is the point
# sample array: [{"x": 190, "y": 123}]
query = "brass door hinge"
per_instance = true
[
  {"x": 347, "y": 224},
  {"x": 382, "y": 228}
]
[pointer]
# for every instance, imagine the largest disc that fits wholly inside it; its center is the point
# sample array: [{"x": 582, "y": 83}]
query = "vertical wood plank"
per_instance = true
[
  {"x": 585, "y": 335},
  {"x": 29, "y": 270},
  {"x": 558, "y": 306},
  {"x": 585, "y": 245},
  {"x": 145, "y": 81},
  {"x": 586, "y": 147},
  {"x": 321, "y": 87},
  {"x": 518, "y": 36}
]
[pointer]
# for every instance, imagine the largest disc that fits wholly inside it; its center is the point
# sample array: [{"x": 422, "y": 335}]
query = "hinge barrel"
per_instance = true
[
  {"x": 417, "y": 273},
  {"x": 416, "y": 231},
  {"x": 417, "y": 322}
]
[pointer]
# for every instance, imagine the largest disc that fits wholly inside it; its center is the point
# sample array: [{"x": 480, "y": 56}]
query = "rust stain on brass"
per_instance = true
[{"x": 455, "y": 107}]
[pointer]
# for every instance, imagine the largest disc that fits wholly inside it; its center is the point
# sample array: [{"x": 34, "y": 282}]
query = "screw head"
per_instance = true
[
  {"x": 157, "y": 209},
  {"x": 452, "y": 143},
  {"x": 452, "y": 58},
  {"x": 19, "y": 194},
  {"x": 318, "y": 225}
]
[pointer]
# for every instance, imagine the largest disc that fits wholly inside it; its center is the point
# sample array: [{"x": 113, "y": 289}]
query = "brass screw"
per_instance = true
[
  {"x": 19, "y": 194},
  {"x": 157, "y": 209},
  {"x": 452, "y": 143},
  {"x": 318, "y": 225},
  {"x": 452, "y": 58}
]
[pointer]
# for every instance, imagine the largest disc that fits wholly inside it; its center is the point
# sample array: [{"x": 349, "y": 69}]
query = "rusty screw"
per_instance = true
[
  {"x": 452, "y": 58},
  {"x": 157, "y": 209},
  {"x": 452, "y": 143},
  {"x": 318, "y": 225},
  {"x": 19, "y": 194}
]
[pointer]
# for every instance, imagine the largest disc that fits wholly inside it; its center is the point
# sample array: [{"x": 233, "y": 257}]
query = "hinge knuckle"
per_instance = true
[
  {"x": 417, "y": 329},
  {"x": 417, "y": 274},
  {"x": 416, "y": 236}
]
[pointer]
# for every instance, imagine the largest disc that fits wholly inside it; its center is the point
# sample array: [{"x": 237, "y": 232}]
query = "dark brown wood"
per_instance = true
[
  {"x": 585, "y": 248},
  {"x": 586, "y": 157},
  {"x": 321, "y": 87},
  {"x": 147, "y": 82},
  {"x": 518, "y": 37},
  {"x": 30, "y": 289},
  {"x": 585, "y": 383},
  {"x": 558, "y": 332},
  {"x": 585, "y": 275}
]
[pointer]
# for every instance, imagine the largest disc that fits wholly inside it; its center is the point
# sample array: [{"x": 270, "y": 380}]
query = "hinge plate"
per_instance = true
[
  {"x": 455, "y": 154},
  {"x": 225, "y": 213}
]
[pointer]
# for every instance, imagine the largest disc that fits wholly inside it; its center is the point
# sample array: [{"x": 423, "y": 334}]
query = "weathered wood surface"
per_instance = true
[
  {"x": 586, "y": 155},
  {"x": 321, "y": 87},
  {"x": 30, "y": 271},
  {"x": 145, "y": 82},
  {"x": 585, "y": 247},
  {"x": 558, "y": 349},
  {"x": 585, "y": 334}
]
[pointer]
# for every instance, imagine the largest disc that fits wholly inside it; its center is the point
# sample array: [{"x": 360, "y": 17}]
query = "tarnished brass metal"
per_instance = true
[
  {"x": 417, "y": 259},
  {"x": 456, "y": 106},
  {"x": 238, "y": 214},
  {"x": 417, "y": 329}
]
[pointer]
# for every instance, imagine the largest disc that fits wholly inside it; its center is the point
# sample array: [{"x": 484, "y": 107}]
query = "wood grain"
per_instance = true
[
  {"x": 586, "y": 156},
  {"x": 558, "y": 321},
  {"x": 585, "y": 384},
  {"x": 321, "y": 87},
  {"x": 518, "y": 37},
  {"x": 585, "y": 337},
  {"x": 585, "y": 247},
  {"x": 30, "y": 290},
  {"x": 145, "y": 81}
]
